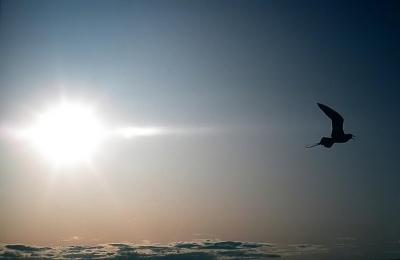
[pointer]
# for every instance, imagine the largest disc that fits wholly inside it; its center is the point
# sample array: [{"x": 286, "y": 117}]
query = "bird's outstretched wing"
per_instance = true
[{"x": 337, "y": 120}]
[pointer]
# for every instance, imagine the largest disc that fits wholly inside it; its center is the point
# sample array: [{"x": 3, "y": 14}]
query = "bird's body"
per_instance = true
[{"x": 337, "y": 135}]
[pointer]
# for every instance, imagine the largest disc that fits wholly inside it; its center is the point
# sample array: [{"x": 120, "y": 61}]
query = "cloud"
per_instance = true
[
  {"x": 201, "y": 249},
  {"x": 198, "y": 249},
  {"x": 301, "y": 249},
  {"x": 24, "y": 248}
]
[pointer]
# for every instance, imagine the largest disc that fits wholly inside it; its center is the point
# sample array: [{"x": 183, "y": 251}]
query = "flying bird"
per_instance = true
[{"x": 337, "y": 135}]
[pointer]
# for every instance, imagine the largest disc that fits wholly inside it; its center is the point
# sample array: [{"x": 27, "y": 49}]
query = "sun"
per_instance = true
[{"x": 66, "y": 134}]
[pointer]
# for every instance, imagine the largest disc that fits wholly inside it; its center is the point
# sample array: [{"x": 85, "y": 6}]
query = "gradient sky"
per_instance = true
[{"x": 254, "y": 70}]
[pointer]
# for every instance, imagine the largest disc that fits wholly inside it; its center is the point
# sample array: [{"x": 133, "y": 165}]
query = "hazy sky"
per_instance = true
[{"x": 252, "y": 71}]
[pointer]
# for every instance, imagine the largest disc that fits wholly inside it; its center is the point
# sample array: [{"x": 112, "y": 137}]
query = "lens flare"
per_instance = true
[{"x": 66, "y": 134}]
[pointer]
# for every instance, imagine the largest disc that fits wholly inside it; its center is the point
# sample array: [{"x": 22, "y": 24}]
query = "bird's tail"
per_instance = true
[{"x": 312, "y": 145}]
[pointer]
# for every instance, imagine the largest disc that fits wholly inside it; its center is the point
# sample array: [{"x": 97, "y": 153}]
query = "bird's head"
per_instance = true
[{"x": 350, "y": 136}]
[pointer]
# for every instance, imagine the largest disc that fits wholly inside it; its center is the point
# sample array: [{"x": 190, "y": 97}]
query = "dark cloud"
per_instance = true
[
  {"x": 182, "y": 256},
  {"x": 10, "y": 254},
  {"x": 199, "y": 249},
  {"x": 242, "y": 254},
  {"x": 24, "y": 248},
  {"x": 222, "y": 245},
  {"x": 301, "y": 249},
  {"x": 187, "y": 245}
]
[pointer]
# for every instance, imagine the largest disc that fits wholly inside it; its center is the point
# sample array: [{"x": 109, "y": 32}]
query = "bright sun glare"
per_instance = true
[{"x": 66, "y": 134}]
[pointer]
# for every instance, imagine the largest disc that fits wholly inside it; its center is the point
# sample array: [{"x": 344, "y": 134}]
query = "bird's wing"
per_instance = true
[{"x": 337, "y": 120}]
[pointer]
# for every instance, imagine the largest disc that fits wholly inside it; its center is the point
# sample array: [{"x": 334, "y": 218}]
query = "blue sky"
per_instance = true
[{"x": 254, "y": 70}]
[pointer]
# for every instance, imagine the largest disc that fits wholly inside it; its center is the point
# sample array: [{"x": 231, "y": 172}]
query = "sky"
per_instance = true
[{"x": 237, "y": 82}]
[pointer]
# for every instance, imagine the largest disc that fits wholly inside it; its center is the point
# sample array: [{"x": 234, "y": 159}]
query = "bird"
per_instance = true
[{"x": 337, "y": 135}]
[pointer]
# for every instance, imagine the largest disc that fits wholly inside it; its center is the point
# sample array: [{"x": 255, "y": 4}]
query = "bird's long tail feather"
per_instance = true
[{"x": 312, "y": 145}]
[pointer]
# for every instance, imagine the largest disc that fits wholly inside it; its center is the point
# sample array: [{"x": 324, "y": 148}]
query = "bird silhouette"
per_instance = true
[{"x": 337, "y": 135}]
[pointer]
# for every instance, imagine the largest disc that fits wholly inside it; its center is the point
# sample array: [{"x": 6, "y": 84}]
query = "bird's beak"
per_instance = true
[{"x": 353, "y": 137}]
